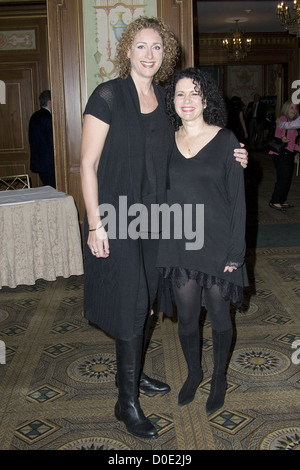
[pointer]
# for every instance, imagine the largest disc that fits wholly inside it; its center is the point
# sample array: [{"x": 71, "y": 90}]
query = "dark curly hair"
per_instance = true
[
  {"x": 215, "y": 111},
  {"x": 171, "y": 49}
]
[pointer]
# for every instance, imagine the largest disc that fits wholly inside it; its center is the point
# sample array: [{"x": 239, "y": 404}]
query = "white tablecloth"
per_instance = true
[{"x": 39, "y": 236}]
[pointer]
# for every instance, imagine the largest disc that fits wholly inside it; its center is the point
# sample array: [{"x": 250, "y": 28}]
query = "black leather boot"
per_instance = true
[
  {"x": 191, "y": 349},
  {"x": 221, "y": 344},
  {"x": 128, "y": 408},
  {"x": 153, "y": 386},
  {"x": 147, "y": 384}
]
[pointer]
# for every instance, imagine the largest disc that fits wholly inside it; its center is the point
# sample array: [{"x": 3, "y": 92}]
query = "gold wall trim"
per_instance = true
[
  {"x": 60, "y": 108},
  {"x": 180, "y": 3}
]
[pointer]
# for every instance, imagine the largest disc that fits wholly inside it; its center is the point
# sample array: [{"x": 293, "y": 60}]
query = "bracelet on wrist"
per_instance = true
[{"x": 94, "y": 229}]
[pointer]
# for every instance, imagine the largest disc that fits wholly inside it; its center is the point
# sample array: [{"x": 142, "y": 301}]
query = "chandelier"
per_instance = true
[
  {"x": 292, "y": 25},
  {"x": 237, "y": 45}
]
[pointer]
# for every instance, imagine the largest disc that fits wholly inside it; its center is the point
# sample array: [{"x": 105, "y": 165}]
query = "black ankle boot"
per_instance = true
[
  {"x": 147, "y": 384},
  {"x": 128, "y": 408},
  {"x": 218, "y": 387},
  {"x": 191, "y": 349},
  {"x": 152, "y": 386},
  {"x": 221, "y": 344}
]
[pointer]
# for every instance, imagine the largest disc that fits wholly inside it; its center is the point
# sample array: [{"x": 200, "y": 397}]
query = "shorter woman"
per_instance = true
[
  {"x": 284, "y": 161},
  {"x": 202, "y": 173}
]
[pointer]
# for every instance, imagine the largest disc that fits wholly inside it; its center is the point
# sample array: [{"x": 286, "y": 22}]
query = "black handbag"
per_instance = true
[{"x": 276, "y": 145}]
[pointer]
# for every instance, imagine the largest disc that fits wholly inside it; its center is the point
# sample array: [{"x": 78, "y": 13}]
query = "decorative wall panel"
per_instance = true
[
  {"x": 17, "y": 40},
  {"x": 104, "y": 23},
  {"x": 244, "y": 81}
]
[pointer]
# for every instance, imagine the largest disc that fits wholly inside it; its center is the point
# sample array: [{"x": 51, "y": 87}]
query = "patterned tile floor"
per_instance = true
[{"x": 57, "y": 387}]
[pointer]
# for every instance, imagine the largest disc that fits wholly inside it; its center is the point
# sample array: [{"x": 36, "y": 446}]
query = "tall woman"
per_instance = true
[
  {"x": 126, "y": 141},
  {"x": 202, "y": 173}
]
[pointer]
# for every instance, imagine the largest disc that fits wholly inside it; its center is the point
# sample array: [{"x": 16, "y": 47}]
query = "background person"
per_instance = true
[
  {"x": 41, "y": 141},
  {"x": 255, "y": 119},
  {"x": 236, "y": 119},
  {"x": 284, "y": 161}
]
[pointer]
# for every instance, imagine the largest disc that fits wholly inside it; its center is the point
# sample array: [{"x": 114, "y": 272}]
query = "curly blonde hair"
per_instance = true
[{"x": 171, "y": 50}]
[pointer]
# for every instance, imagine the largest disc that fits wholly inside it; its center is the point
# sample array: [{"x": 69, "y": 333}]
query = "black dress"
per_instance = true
[
  {"x": 215, "y": 180},
  {"x": 127, "y": 170}
]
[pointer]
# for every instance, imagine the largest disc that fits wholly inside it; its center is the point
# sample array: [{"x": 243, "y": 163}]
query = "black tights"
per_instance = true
[{"x": 188, "y": 302}]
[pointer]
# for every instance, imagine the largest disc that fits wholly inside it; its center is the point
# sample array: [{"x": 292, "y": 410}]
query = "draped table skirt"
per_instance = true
[{"x": 39, "y": 236}]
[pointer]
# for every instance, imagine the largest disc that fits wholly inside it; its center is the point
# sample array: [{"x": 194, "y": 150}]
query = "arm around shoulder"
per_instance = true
[{"x": 289, "y": 124}]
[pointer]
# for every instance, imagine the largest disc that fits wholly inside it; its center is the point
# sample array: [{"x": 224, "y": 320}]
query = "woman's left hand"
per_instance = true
[
  {"x": 241, "y": 155},
  {"x": 229, "y": 269}
]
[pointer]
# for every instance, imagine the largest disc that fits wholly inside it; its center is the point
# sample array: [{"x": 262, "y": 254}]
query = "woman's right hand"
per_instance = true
[
  {"x": 94, "y": 134},
  {"x": 98, "y": 243}
]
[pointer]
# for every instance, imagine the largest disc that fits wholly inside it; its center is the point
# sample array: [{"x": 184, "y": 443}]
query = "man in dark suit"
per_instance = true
[
  {"x": 41, "y": 141},
  {"x": 256, "y": 115}
]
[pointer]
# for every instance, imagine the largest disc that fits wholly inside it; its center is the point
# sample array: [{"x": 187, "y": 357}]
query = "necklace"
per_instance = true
[
  {"x": 191, "y": 145},
  {"x": 189, "y": 142}
]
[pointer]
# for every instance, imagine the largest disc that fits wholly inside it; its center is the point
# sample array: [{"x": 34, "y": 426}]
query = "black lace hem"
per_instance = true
[{"x": 180, "y": 276}]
